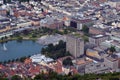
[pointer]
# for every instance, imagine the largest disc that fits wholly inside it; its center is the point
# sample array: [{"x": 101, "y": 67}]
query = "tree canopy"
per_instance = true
[
  {"x": 85, "y": 29},
  {"x": 112, "y": 49},
  {"x": 67, "y": 62},
  {"x": 55, "y": 51},
  {"x": 16, "y": 77}
]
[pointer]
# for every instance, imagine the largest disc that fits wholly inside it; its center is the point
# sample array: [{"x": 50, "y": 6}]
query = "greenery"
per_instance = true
[
  {"x": 19, "y": 39},
  {"x": 55, "y": 51},
  {"x": 84, "y": 37},
  {"x": 85, "y": 29},
  {"x": 30, "y": 34},
  {"x": 65, "y": 31},
  {"x": 36, "y": 33},
  {"x": 22, "y": 59},
  {"x": 112, "y": 49},
  {"x": 54, "y": 76},
  {"x": 16, "y": 77},
  {"x": 67, "y": 62}
]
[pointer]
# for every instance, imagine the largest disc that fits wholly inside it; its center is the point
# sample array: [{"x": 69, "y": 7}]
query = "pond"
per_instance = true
[{"x": 14, "y": 49}]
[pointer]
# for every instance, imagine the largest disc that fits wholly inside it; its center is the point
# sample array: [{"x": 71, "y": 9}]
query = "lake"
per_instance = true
[{"x": 14, "y": 49}]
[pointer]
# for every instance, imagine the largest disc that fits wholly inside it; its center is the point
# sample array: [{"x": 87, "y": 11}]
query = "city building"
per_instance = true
[
  {"x": 79, "y": 23},
  {"x": 51, "y": 23},
  {"x": 96, "y": 31},
  {"x": 75, "y": 45},
  {"x": 35, "y": 21},
  {"x": 96, "y": 40},
  {"x": 92, "y": 53},
  {"x": 3, "y": 12},
  {"x": 97, "y": 68},
  {"x": 115, "y": 43},
  {"x": 80, "y": 64},
  {"x": 113, "y": 61},
  {"x": 114, "y": 3}
]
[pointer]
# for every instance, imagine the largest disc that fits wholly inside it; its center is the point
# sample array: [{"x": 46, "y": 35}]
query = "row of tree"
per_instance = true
[
  {"x": 54, "y": 76},
  {"x": 22, "y": 59}
]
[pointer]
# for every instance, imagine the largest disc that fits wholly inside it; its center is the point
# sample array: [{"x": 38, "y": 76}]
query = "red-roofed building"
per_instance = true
[
  {"x": 1, "y": 66},
  {"x": 58, "y": 67},
  {"x": 35, "y": 70}
]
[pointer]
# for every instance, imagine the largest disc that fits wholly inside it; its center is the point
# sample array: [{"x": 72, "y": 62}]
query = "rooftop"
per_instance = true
[{"x": 111, "y": 58}]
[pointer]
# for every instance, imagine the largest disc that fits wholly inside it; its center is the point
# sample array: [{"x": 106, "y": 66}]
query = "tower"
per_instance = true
[{"x": 75, "y": 45}]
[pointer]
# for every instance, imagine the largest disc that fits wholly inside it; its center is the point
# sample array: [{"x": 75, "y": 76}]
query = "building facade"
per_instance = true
[
  {"x": 75, "y": 45},
  {"x": 115, "y": 4},
  {"x": 79, "y": 23},
  {"x": 98, "y": 39}
]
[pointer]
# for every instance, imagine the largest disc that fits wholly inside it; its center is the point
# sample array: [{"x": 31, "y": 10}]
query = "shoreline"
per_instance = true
[
  {"x": 26, "y": 56},
  {"x": 11, "y": 39}
]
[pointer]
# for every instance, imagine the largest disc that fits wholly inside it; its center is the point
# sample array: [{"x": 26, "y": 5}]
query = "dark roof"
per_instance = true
[
  {"x": 4, "y": 20},
  {"x": 115, "y": 0}
]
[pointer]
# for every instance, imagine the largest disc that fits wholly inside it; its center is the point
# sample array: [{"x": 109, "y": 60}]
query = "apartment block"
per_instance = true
[{"x": 75, "y": 45}]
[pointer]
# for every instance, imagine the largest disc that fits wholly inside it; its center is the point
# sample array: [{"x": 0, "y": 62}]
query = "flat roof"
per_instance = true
[{"x": 99, "y": 35}]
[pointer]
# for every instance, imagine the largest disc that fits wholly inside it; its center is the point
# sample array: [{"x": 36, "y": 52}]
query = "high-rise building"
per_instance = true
[{"x": 75, "y": 45}]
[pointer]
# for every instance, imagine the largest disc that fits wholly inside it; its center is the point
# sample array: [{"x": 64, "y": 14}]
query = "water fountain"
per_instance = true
[{"x": 4, "y": 47}]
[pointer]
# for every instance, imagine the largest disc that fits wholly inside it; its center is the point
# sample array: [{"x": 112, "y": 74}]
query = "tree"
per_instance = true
[
  {"x": 40, "y": 77},
  {"x": 8, "y": 13},
  {"x": 6, "y": 37},
  {"x": 19, "y": 39},
  {"x": 42, "y": 10},
  {"x": 85, "y": 29},
  {"x": 112, "y": 49},
  {"x": 34, "y": 35},
  {"x": 4, "y": 79},
  {"x": 22, "y": 59},
  {"x": 25, "y": 32},
  {"x": 16, "y": 77},
  {"x": 55, "y": 51},
  {"x": 114, "y": 79},
  {"x": 67, "y": 62},
  {"x": 62, "y": 44},
  {"x": 85, "y": 38},
  {"x": 43, "y": 50},
  {"x": 50, "y": 48},
  {"x": 65, "y": 31}
]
